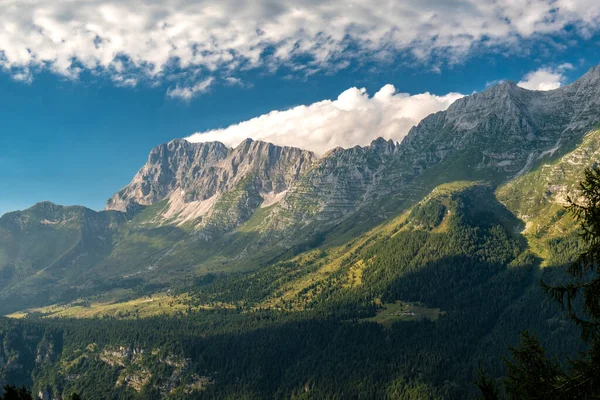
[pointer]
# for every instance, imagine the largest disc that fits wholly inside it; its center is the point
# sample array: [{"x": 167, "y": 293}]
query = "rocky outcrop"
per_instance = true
[
  {"x": 340, "y": 183},
  {"x": 169, "y": 166},
  {"x": 552, "y": 183},
  {"x": 209, "y": 184}
]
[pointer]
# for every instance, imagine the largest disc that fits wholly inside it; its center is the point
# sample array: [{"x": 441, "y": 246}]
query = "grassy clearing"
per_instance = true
[
  {"x": 143, "y": 307},
  {"x": 17, "y": 315},
  {"x": 402, "y": 311},
  {"x": 259, "y": 216},
  {"x": 356, "y": 272}
]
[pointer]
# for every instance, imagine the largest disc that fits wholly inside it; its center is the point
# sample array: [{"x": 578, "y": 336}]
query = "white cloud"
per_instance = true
[
  {"x": 23, "y": 76},
  {"x": 545, "y": 78},
  {"x": 187, "y": 93},
  {"x": 494, "y": 82},
  {"x": 352, "y": 119},
  {"x": 232, "y": 81},
  {"x": 155, "y": 38}
]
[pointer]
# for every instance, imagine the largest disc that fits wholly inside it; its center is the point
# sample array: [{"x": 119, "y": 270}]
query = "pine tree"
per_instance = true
[
  {"x": 585, "y": 281},
  {"x": 532, "y": 375},
  {"x": 487, "y": 386}
]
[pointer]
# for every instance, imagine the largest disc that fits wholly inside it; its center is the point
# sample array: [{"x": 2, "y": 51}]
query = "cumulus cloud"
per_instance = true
[
  {"x": 232, "y": 81},
  {"x": 151, "y": 39},
  {"x": 187, "y": 93},
  {"x": 352, "y": 119},
  {"x": 494, "y": 82},
  {"x": 545, "y": 78}
]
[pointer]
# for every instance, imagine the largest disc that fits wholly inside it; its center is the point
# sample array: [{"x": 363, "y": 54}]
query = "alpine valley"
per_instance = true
[{"x": 388, "y": 271}]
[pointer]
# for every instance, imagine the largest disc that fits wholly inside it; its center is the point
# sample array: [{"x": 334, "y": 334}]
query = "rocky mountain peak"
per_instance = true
[
  {"x": 591, "y": 76},
  {"x": 168, "y": 165},
  {"x": 193, "y": 176},
  {"x": 384, "y": 146},
  {"x": 505, "y": 130},
  {"x": 579, "y": 91},
  {"x": 504, "y": 96},
  {"x": 503, "y": 88},
  {"x": 45, "y": 205}
]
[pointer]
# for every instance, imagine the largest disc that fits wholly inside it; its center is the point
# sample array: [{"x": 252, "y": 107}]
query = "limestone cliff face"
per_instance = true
[
  {"x": 256, "y": 174},
  {"x": 169, "y": 166},
  {"x": 208, "y": 183},
  {"x": 340, "y": 183}
]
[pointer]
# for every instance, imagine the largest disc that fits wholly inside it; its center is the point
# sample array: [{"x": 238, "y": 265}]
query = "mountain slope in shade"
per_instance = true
[{"x": 47, "y": 245}]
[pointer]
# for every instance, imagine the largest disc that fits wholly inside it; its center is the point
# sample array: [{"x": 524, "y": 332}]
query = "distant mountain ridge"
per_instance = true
[{"x": 497, "y": 134}]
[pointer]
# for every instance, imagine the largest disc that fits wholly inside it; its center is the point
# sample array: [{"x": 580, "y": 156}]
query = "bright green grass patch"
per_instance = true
[
  {"x": 143, "y": 307},
  {"x": 403, "y": 311},
  {"x": 257, "y": 219}
]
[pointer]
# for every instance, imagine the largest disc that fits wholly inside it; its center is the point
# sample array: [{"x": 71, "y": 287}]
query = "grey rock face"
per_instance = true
[
  {"x": 336, "y": 186},
  {"x": 506, "y": 128},
  {"x": 211, "y": 183},
  {"x": 170, "y": 165},
  {"x": 255, "y": 174}
]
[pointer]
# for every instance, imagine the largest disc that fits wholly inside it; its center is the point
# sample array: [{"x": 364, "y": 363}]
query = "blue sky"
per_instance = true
[{"x": 78, "y": 123}]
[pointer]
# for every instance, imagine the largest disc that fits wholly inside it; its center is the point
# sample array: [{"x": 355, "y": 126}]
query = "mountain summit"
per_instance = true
[{"x": 196, "y": 178}]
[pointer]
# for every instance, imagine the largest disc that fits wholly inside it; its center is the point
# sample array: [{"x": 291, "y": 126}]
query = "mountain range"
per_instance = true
[
  {"x": 469, "y": 202},
  {"x": 198, "y": 207}
]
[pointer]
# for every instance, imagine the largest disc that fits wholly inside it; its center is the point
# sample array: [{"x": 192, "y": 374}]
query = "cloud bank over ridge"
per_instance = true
[
  {"x": 354, "y": 118},
  {"x": 545, "y": 78}
]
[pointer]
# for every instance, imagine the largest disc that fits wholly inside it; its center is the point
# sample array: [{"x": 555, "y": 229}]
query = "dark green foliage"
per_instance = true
[
  {"x": 532, "y": 375},
  {"x": 429, "y": 214},
  {"x": 487, "y": 386},
  {"x": 14, "y": 393}
]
